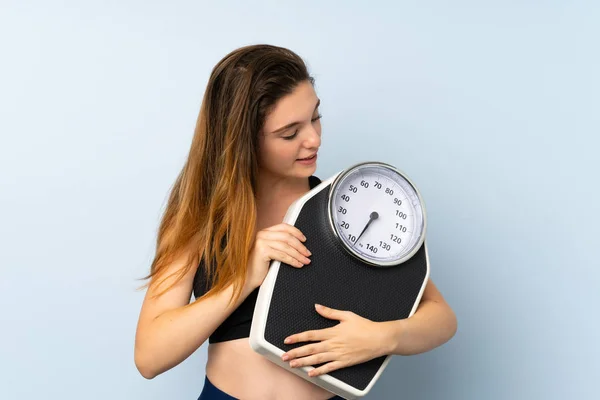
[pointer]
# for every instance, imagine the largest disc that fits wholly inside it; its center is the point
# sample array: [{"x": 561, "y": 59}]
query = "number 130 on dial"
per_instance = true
[{"x": 377, "y": 213}]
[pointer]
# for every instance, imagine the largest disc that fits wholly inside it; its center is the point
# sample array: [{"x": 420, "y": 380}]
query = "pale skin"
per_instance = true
[
  {"x": 170, "y": 328},
  {"x": 356, "y": 339}
]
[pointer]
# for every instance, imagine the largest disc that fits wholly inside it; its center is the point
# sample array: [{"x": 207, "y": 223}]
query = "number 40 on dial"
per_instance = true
[{"x": 377, "y": 213}]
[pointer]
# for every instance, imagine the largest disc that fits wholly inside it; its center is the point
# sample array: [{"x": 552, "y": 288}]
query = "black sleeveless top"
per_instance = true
[{"x": 237, "y": 325}]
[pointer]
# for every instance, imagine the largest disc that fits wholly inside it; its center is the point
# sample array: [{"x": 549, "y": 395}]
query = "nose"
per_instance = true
[{"x": 313, "y": 138}]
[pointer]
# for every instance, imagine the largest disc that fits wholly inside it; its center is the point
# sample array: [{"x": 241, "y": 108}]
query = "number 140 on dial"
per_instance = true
[{"x": 377, "y": 213}]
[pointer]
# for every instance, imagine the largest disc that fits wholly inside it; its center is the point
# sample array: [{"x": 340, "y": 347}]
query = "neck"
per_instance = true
[{"x": 276, "y": 186}]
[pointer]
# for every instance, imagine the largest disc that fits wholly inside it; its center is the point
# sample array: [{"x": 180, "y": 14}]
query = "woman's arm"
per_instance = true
[
  {"x": 433, "y": 324},
  {"x": 356, "y": 339},
  {"x": 170, "y": 328}
]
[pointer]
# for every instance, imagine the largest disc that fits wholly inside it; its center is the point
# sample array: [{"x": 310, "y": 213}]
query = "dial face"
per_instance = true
[{"x": 377, "y": 213}]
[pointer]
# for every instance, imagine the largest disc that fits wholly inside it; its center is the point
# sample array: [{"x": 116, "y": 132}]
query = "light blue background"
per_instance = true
[{"x": 491, "y": 107}]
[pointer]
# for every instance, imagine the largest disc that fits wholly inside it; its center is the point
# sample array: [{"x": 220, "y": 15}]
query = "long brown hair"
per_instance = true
[{"x": 211, "y": 211}]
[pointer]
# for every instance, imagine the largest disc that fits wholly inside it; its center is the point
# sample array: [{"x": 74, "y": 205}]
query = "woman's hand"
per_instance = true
[
  {"x": 353, "y": 341},
  {"x": 282, "y": 242}
]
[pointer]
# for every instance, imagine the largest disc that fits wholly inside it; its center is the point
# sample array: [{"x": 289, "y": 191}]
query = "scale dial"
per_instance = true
[{"x": 377, "y": 214}]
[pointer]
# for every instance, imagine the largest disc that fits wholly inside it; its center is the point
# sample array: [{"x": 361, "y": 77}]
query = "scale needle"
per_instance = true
[{"x": 372, "y": 217}]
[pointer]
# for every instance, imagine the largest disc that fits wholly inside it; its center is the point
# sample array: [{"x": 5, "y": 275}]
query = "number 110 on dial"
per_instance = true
[{"x": 377, "y": 214}]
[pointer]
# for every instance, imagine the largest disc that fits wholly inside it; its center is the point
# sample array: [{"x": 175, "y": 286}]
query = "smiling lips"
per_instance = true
[{"x": 308, "y": 158}]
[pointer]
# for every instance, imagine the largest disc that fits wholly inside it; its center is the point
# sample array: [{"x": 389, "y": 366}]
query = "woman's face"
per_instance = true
[{"x": 292, "y": 131}]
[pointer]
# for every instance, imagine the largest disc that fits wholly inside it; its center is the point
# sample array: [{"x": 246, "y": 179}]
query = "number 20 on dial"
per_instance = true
[{"x": 377, "y": 213}]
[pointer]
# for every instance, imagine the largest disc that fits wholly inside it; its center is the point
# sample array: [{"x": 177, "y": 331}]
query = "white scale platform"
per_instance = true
[{"x": 337, "y": 279}]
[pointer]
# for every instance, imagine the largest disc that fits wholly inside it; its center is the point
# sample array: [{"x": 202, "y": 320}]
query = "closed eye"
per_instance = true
[{"x": 318, "y": 117}]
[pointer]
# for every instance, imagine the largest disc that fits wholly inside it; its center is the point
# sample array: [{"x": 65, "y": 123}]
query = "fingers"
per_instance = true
[
  {"x": 310, "y": 336},
  {"x": 286, "y": 238},
  {"x": 289, "y": 229},
  {"x": 327, "y": 368},
  {"x": 313, "y": 359},
  {"x": 306, "y": 350},
  {"x": 285, "y": 243},
  {"x": 284, "y": 257},
  {"x": 292, "y": 251}
]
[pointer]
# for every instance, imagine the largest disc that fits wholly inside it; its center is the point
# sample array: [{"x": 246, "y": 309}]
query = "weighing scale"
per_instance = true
[{"x": 365, "y": 227}]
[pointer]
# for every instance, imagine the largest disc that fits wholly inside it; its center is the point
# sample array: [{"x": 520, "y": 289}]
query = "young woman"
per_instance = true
[{"x": 253, "y": 153}]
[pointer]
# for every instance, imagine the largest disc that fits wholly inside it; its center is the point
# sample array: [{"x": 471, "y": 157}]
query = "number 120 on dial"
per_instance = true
[{"x": 377, "y": 213}]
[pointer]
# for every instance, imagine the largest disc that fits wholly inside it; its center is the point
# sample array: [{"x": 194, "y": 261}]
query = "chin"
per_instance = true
[
  {"x": 305, "y": 172},
  {"x": 296, "y": 171}
]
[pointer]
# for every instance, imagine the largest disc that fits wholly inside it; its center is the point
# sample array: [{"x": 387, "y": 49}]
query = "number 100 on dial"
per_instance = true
[{"x": 377, "y": 213}]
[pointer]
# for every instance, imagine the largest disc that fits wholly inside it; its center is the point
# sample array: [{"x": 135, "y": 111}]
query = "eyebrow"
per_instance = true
[{"x": 283, "y": 128}]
